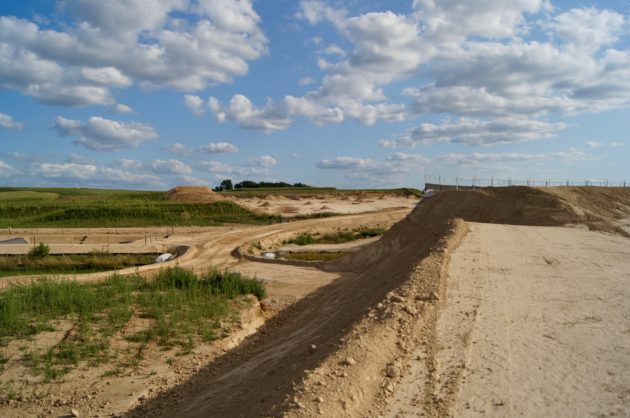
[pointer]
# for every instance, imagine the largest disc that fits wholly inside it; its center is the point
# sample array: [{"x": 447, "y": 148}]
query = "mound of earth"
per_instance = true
[
  {"x": 602, "y": 208},
  {"x": 193, "y": 194},
  {"x": 594, "y": 207},
  {"x": 341, "y": 350}
]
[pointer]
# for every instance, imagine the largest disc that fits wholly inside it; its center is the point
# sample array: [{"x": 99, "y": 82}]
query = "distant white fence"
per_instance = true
[{"x": 468, "y": 182}]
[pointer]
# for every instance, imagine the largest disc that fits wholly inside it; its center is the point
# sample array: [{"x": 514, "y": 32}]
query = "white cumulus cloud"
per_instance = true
[
  {"x": 218, "y": 147},
  {"x": 266, "y": 161},
  {"x": 100, "y": 134},
  {"x": 502, "y": 130},
  {"x": 7, "y": 122},
  {"x": 6, "y": 170},
  {"x": 181, "y": 44},
  {"x": 169, "y": 167},
  {"x": 195, "y": 103},
  {"x": 94, "y": 174}
]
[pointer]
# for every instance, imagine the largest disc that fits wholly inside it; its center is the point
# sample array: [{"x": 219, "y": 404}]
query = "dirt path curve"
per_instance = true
[
  {"x": 214, "y": 248},
  {"x": 536, "y": 323}
]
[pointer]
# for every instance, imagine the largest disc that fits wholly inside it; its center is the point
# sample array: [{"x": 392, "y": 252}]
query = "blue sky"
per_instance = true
[{"x": 150, "y": 94}]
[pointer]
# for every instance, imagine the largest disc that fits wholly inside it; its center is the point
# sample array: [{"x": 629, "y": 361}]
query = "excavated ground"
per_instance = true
[
  {"x": 342, "y": 349},
  {"x": 366, "y": 342}
]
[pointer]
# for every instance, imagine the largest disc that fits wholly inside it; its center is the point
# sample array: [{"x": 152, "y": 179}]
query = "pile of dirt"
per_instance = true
[
  {"x": 601, "y": 208},
  {"x": 310, "y": 335},
  {"x": 193, "y": 194},
  {"x": 342, "y": 349},
  {"x": 597, "y": 208}
]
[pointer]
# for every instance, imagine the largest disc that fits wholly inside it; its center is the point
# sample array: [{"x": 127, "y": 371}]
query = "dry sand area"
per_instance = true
[
  {"x": 496, "y": 302},
  {"x": 294, "y": 204},
  {"x": 535, "y": 323}
]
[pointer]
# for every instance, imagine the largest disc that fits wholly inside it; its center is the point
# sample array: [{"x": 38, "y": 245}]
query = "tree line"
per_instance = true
[{"x": 249, "y": 184}]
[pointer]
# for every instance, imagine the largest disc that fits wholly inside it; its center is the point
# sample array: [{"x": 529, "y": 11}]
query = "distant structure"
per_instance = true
[{"x": 434, "y": 186}]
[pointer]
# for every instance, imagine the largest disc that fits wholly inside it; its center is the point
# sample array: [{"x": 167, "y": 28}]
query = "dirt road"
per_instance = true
[
  {"x": 536, "y": 323},
  {"x": 212, "y": 247}
]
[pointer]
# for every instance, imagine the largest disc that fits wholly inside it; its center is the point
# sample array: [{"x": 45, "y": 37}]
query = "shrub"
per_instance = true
[{"x": 40, "y": 250}]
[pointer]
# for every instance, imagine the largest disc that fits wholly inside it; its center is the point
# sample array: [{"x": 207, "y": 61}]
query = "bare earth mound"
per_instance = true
[
  {"x": 193, "y": 194},
  {"x": 343, "y": 349},
  {"x": 601, "y": 207}
]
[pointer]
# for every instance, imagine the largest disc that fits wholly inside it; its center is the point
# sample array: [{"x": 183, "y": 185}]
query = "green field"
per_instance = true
[{"x": 59, "y": 207}]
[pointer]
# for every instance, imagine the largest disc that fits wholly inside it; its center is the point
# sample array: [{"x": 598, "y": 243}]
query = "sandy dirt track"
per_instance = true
[
  {"x": 528, "y": 320},
  {"x": 536, "y": 323},
  {"x": 94, "y": 396},
  {"x": 213, "y": 246}
]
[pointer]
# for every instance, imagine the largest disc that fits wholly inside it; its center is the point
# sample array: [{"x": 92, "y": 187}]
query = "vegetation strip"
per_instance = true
[
  {"x": 57, "y": 207},
  {"x": 20, "y": 265},
  {"x": 338, "y": 237},
  {"x": 180, "y": 309}
]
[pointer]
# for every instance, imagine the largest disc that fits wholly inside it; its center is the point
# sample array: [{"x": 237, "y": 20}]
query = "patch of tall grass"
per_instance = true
[{"x": 183, "y": 308}]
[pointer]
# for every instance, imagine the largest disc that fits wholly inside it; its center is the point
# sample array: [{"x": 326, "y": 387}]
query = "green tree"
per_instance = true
[{"x": 226, "y": 185}]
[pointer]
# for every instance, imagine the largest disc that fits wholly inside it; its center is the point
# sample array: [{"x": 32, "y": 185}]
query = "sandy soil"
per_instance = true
[
  {"x": 87, "y": 391},
  {"x": 533, "y": 320},
  {"x": 345, "y": 204},
  {"x": 535, "y": 323}
]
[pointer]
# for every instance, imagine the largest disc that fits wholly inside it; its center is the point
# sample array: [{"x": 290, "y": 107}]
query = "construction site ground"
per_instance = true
[{"x": 497, "y": 302}]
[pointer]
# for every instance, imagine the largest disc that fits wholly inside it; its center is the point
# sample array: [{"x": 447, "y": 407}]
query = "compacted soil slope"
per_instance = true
[
  {"x": 346, "y": 348},
  {"x": 535, "y": 323}
]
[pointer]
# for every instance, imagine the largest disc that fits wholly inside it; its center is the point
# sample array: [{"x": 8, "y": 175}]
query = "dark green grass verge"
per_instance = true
[
  {"x": 18, "y": 265},
  {"x": 182, "y": 308}
]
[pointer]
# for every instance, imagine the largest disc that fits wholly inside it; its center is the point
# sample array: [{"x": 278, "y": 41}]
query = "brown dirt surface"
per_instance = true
[
  {"x": 193, "y": 194},
  {"x": 293, "y": 205},
  {"x": 363, "y": 338},
  {"x": 602, "y": 207},
  {"x": 534, "y": 324},
  {"x": 342, "y": 349}
]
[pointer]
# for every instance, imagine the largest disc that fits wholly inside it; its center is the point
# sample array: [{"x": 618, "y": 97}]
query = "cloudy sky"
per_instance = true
[{"x": 363, "y": 93}]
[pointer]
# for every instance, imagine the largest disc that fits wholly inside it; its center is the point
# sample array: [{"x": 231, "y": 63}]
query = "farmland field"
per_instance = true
[{"x": 57, "y": 207}]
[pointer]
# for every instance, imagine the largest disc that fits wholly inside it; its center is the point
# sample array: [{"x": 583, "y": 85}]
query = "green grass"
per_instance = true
[
  {"x": 57, "y": 207},
  {"x": 338, "y": 237},
  {"x": 183, "y": 309},
  {"x": 315, "y": 255},
  {"x": 18, "y": 265}
]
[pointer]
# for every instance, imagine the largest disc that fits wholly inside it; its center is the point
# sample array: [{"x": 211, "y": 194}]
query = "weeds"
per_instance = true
[
  {"x": 338, "y": 237},
  {"x": 40, "y": 250},
  {"x": 183, "y": 309}
]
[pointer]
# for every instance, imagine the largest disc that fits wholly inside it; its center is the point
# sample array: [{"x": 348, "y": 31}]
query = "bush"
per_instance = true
[{"x": 41, "y": 250}]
